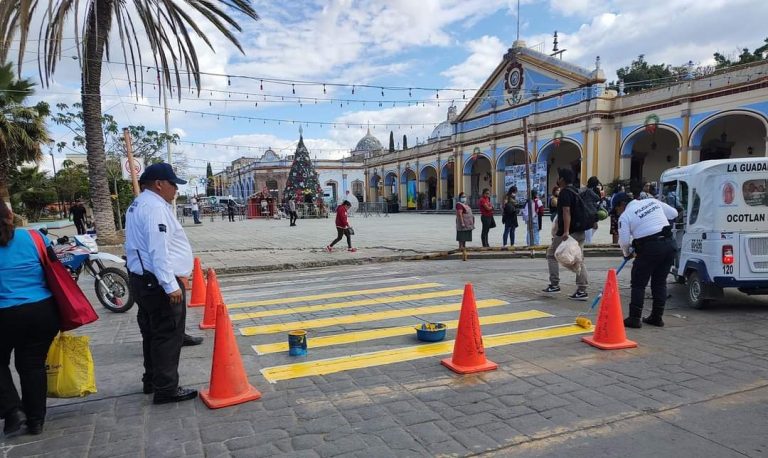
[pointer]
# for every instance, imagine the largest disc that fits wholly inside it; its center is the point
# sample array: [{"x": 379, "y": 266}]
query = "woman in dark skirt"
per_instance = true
[{"x": 465, "y": 224}]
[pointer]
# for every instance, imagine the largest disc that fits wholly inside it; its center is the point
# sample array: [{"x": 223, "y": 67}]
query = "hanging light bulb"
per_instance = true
[
  {"x": 353, "y": 89},
  {"x": 323, "y": 88},
  {"x": 382, "y": 92},
  {"x": 437, "y": 94},
  {"x": 229, "y": 81},
  {"x": 261, "y": 84},
  {"x": 463, "y": 95},
  {"x": 293, "y": 88}
]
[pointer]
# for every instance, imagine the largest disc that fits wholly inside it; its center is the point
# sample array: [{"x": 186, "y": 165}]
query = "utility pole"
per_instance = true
[{"x": 528, "y": 200}]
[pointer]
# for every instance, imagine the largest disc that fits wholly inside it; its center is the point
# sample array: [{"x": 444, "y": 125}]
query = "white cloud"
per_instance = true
[{"x": 486, "y": 53}]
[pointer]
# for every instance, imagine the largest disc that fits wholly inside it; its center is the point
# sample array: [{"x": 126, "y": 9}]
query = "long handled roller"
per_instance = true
[{"x": 585, "y": 322}]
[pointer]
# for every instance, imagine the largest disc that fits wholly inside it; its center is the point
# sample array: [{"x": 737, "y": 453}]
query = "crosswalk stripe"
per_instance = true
[
  {"x": 379, "y": 358},
  {"x": 338, "y": 294},
  {"x": 362, "y": 317},
  {"x": 373, "y": 334},
  {"x": 347, "y": 304}
]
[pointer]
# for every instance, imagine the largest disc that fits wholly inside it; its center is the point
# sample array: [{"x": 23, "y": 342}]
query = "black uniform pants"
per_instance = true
[
  {"x": 294, "y": 216},
  {"x": 653, "y": 261},
  {"x": 487, "y": 222},
  {"x": 162, "y": 331},
  {"x": 27, "y": 330},
  {"x": 80, "y": 226},
  {"x": 231, "y": 213}
]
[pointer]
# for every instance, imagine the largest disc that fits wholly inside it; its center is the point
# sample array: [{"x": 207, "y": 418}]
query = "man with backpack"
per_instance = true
[{"x": 573, "y": 219}]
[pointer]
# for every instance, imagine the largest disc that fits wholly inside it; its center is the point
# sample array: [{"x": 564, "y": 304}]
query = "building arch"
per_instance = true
[
  {"x": 738, "y": 133},
  {"x": 647, "y": 152},
  {"x": 515, "y": 153},
  {"x": 560, "y": 153},
  {"x": 470, "y": 161}
]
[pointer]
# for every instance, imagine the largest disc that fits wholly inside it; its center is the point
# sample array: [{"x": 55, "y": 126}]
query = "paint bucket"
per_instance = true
[{"x": 297, "y": 343}]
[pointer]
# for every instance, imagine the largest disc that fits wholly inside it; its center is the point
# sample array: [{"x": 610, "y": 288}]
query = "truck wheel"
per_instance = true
[{"x": 697, "y": 297}]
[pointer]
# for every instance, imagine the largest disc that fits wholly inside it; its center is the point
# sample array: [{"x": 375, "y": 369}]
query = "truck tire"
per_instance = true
[{"x": 697, "y": 291}]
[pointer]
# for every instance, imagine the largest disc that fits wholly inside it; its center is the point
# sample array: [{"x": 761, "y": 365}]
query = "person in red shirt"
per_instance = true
[
  {"x": 342, "y": 227},
  {"x": 486, "y": 216}
]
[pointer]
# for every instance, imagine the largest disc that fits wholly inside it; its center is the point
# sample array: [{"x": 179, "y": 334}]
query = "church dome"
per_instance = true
[
  {"x": 445, "y": 128},
  {"x": 369, "y": 143}
]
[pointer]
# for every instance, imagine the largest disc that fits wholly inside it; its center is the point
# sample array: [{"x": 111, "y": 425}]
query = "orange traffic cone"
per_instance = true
[
  {"x": 229, "y": 384},
  {"x": 212, "y": 300},
  {"x": 468, "y": 352},
  {"x": 609, "y": 331},
  {"x": 198, "y": 286}
]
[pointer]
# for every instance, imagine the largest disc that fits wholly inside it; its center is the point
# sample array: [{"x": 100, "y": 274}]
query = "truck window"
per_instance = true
[
  {"x": 682, "y": 194},
  {"x": 694, "y": 214},
  {"x": 754, "y": 192}
]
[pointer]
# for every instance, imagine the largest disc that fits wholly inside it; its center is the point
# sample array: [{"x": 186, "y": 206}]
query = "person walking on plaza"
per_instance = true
[
  {"x": 159, "y": 259},
  {"x": 292, "y": 210},
  {"x": 465, "y": 224},
  {"x": 196, "y": 211},
  {"x": 567, "y": 203},
  {"x": 231, "y": 209},
  {"x": 530, "y": 214},
  {"x": 596, "y": 189},
  {"x": 509, "y": 217},
  {"x": 29, "y": 320},
  {"x": 77, "y": 214},
  {"x": 486, "y": 216},
  {"x": 644, "y": 226},
  {"x": 342, "y": 227},
  {"x": 553, "y": 203}
]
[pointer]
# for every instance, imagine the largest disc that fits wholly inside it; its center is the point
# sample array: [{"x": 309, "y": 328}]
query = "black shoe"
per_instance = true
[
  {"x": 190, "y": 341},
  {"x": 632, "y": 322},
  {"x": 579, "y": 296},
  {"x": 654, "y": 320},
  {"x": 35, "y": 427},
  {"x": 551, "y": 289},
  {"x": 149, "y": 388},
  {"x": 181, "y": 394},
  {"x": 14, "y": 420}
]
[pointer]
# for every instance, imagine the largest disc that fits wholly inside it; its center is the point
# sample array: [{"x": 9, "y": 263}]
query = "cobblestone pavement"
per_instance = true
[{"x": 698, "y": 387}]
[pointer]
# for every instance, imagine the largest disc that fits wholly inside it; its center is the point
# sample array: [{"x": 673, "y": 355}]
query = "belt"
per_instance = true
[{"x": 663, "y": 235}]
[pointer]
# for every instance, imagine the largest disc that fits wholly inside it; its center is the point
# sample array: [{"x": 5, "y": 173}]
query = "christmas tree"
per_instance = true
[{"x": 303, "y": 183}]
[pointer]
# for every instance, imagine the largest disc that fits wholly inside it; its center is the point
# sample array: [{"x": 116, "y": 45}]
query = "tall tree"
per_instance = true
[
  {"x": 166, "y": 35},
  {"x": 405, "y": 142},
  {"x": 22, "y": 128},
  {"x": 642, "y": 75},
  {"x": 34, "y": 189},
  {"x": 391, "y": 142},
  {"x": 209, "y": 187},
  {"x": 722, "y": 61}
]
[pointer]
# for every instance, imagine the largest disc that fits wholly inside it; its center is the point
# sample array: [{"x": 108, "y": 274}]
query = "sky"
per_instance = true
[{"x": 431, "y": 44}]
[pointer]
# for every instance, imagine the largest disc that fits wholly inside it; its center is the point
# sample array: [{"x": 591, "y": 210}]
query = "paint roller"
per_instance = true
[{"x": 585, "y": 322}]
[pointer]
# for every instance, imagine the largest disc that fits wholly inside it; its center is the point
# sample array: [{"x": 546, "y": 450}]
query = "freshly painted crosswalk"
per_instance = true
[
  {"x": 373, "y": 334},
  {"x": 371, "y": 326},
  {"x": 347, "y": 304},
  {"x": 397, "y": 355},
  {"x": 362, "y": 317},
  {"x": 334, "y": 295}
]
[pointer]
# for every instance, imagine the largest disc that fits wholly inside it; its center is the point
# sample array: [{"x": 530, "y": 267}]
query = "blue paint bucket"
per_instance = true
[{"x": 297, "y": 343}]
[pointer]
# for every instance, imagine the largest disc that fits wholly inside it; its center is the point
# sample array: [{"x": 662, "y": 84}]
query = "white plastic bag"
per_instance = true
[{"x": 569, "y": 254}]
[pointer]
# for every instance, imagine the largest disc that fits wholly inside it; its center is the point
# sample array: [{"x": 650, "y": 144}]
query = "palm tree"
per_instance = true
[
  {"x": 166, "y": 31},
  {"x": 22, "y": 128}
]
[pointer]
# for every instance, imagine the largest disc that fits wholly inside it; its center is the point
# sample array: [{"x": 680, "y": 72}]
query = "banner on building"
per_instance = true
[
  {"x": 138, "y": 166},
  {"x": 514, "y": 175},
  {"x": 411, "y": 194}
]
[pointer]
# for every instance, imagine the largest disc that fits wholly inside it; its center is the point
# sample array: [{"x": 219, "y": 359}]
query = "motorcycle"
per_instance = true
[{"x": 82, "y": 254}]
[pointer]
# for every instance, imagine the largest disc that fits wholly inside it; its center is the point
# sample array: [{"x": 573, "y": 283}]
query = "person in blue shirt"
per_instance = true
[{"x": 29, "y": 321}]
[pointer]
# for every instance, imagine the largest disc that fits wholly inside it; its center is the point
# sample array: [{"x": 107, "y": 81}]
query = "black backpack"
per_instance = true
[{"x": 584, "y": 211}]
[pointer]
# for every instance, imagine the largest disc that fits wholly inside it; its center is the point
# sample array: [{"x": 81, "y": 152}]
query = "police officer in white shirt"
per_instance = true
[
  {"x": 646, "y": 234},
  {"x": 159, "y": 257}
]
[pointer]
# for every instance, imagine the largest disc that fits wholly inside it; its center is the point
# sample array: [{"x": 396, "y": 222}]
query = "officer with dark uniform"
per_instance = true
[
  {"x": 159, "y": 259},
  {"x": 646, "y": 234}
]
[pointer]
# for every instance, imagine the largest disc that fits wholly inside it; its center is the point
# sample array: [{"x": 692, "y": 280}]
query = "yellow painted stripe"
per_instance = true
[
  {"x": 373, "y": 334},
  {"x": 336, "y": 295},
  {"x": 379, "y": 358},
  {"x": 348, "y": 304},
  {"x": 362, "y": 317}
]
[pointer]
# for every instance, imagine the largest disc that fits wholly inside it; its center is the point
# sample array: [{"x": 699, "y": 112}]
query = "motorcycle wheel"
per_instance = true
[{"x": 117, "y": 297}]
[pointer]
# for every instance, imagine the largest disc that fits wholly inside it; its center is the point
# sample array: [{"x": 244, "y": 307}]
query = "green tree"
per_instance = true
[
  {"x": 210, "y": 190},
  {"x": 405, "y": 142},
  {"x": 391, "y": 142},
  {"x": 746, "y": 57},
  {"x": 71, "y": 181},
  {"x": 33, "y": 189},
  {"x": 22, "y": 128},
  {"x": 166, "y": 28},
  {"x": 642, "y": 75}
]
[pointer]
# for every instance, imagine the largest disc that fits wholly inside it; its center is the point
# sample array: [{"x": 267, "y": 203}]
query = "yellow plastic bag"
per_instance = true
[{"x": 69, "y": 367}]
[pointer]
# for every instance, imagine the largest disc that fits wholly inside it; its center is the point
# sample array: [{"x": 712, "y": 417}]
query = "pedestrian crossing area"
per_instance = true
[{"x": 372, "y": 325}]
